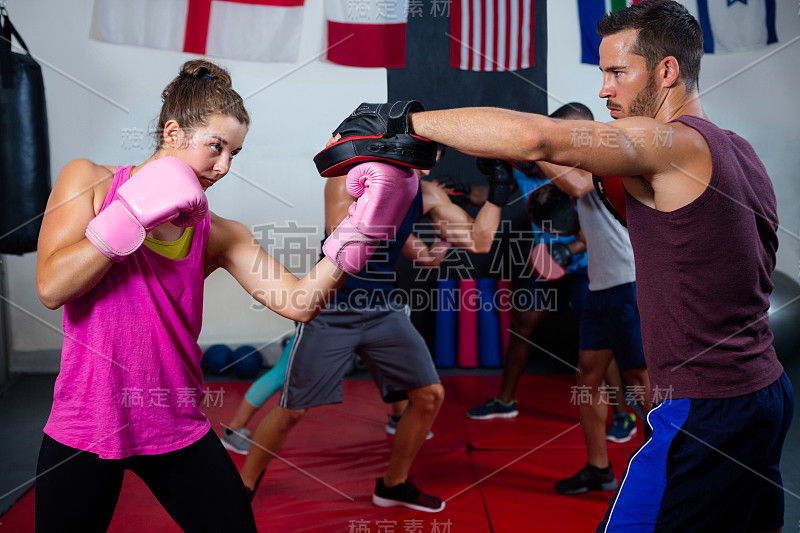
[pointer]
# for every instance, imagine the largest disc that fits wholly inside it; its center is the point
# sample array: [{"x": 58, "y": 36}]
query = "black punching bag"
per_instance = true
[{"x": 24, "y": 146}]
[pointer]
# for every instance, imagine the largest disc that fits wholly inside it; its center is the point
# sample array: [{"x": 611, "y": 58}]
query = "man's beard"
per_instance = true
[{"x": 646, "y": 102}]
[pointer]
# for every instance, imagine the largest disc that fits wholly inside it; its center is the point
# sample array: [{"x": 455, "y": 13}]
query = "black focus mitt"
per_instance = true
[
  {"x": 377, "y": 132},
  {"x": 612, "y": 193},
  {"x": 552, "y": 210}
]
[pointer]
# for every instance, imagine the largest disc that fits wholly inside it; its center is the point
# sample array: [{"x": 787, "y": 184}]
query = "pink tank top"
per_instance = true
[{"x": 130, "y": 380}]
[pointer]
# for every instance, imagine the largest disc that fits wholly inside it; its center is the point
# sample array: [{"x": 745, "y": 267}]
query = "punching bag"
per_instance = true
[{"x": 24, "y": 146}]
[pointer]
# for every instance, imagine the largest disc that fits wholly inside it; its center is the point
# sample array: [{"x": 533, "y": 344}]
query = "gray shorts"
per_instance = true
[{"x": 391, "y": 348}]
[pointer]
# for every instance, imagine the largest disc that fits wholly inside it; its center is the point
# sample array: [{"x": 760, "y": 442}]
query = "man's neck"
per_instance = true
[{"x": 678, "y": 103}]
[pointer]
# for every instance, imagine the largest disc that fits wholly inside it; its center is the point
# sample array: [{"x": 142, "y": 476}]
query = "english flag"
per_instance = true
[{"x": 254, "y": 30}]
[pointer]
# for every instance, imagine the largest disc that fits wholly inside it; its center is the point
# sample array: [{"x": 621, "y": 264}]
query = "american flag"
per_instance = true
[{"x": 492, "y": 35}]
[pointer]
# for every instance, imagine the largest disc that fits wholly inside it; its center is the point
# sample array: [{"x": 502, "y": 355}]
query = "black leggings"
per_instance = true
[{"x": 199, "y": 487}]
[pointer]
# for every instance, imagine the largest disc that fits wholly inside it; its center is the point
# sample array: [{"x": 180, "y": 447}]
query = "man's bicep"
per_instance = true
[{"x": 626, "y": 147}]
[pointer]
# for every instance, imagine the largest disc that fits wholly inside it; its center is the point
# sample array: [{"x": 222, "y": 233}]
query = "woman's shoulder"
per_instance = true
[
  {"x": 82, "y": 176},
  {"x": 85, "y": 173},
  {"x": 227, "y": 228},
  {"x": 86, "y": 167}
]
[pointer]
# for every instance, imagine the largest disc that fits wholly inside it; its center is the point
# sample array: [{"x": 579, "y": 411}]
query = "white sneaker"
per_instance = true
[
  {"x": 237, "y": 440},
  {"x": 391, "y": 426}
]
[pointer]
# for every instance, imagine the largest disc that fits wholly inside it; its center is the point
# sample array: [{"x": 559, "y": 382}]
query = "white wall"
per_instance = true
[
  {"x": 293, "y": 107},
  {"x": 88, "y": 82}
]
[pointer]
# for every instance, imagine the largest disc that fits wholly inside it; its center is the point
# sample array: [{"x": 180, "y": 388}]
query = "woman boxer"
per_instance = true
[{"x": 125, "y": 250}]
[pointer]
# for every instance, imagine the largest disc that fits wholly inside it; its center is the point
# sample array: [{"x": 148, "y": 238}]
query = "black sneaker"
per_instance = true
[
  {"x": 590, "y": 478},
  {"x": 405, "y": 495}
]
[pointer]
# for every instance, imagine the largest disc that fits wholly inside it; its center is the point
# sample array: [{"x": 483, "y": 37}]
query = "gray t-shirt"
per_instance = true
[{"x": 608, "y": 246}]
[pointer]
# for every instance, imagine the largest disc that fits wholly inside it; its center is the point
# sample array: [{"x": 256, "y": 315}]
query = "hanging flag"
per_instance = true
[
  {"x": 728, "y": 25},
  {"x": 590, "y": 12},
  {"x": 736, "y": 25},
  {"x": 492, "y": 35},
  {"x": 255, "y": 30},
  {"x": 367, "y": 33}
]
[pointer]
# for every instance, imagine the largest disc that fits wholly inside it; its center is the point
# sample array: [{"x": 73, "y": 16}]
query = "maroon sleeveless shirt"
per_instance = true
[{"x": 703, "y": 278}]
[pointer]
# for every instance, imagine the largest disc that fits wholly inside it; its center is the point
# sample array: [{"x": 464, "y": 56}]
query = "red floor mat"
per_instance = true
[
  {"x": 289, "y": 501},
  {"x": 519, "y": 496},
  {"x": 19, "y": 518},
  {"x": 138, "y": 510},
  {"x": 340, "y": 450},
  {"x": 546, "y": 409}
]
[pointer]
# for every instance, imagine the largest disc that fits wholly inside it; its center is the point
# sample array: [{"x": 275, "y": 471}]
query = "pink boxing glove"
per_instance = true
[
  {"x": 163, "y": 190},
  {"x": 384, "y": 193}
]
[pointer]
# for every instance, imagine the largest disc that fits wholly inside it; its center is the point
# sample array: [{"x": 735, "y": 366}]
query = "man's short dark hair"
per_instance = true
[
  {"x": 665, "y": 28},
  {"x": 573, "y": 111}
]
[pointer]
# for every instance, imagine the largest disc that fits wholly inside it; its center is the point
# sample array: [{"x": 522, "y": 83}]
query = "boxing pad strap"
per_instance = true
[
  {"x": 398, "y": 115},
  {"x": 378, "y": 119},
  {"x": 612, "y": 193},
  {"x": 6, "y": 63}
]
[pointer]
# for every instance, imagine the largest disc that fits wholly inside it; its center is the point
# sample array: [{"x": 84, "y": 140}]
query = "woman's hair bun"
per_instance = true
[{"x": 202, "y": 69}]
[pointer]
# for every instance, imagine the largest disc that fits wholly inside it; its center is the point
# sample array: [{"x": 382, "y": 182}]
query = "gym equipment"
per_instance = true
[
  {"x": 468, "y": 324},
  {"x": 215, "y": 358},
  {"x": 488, "y": 325},
  {"x": 246, "y": 361},
  {"x": 446, "y": 314},
  {"x": 506, "y": 310},
  {"x": 612, "y": 192},
  {"x": 25, "y": 150},
  {"x": 552, "y": 210},
  {"x": 549, "y": 261},
  {"x": 377, "y": 132},
  {"x": 500, "y": 178},
  {"x": 784, "y": 316}
]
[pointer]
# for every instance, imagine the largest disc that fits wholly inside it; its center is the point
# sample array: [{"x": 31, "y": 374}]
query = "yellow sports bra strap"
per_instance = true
[{"x": 172, "y": 249}]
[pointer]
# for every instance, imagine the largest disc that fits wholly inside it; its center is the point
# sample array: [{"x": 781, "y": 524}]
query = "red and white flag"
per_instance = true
[
  {"x": 255, "y": 30},
  {"x": 367, "y": 33},
  {"x": 487, "y": 35}
]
